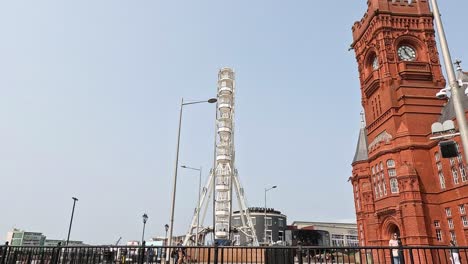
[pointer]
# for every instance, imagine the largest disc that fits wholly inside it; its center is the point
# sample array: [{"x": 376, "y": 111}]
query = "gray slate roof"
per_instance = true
[
  {"x": 448, "y": 113},
  {"x": 361, "y": 148}
]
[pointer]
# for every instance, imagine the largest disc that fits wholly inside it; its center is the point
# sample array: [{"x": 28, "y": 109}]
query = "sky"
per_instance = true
[{"x": 89, "y": 104}]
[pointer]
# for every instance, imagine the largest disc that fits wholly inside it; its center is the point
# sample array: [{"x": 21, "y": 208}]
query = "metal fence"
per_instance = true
[{"x": 221, "y": 255}]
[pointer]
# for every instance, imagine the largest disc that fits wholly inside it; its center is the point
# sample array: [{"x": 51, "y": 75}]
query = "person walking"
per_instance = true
[
  {"x": 394, "y": 244},
  {"x": 454, "y": 253},
  {"x": 180, "y": 257}
]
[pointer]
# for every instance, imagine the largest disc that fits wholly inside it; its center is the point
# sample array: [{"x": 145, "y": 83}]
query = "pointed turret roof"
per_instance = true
[
  {"x": 448, "y": 112},
  {"x": 462, "y": 76},
  {"x": 361, "y": 148}
]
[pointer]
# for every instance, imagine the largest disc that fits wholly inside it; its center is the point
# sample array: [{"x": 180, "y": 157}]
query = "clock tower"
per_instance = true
[{"x": 394, "y": 176}]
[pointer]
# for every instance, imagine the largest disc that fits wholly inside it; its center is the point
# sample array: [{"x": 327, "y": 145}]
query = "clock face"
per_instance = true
[
  {"x": 375, "y": 63},
  {"x": 406, "y": 53}
]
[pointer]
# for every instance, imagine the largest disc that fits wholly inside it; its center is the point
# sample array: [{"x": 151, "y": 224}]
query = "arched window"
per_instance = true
[
  {"x": 394, "y": 185},
  {"x": 463, "y": 172},
  {"x": 455, "y": 175},
  {"x": 442, "y": 180}
]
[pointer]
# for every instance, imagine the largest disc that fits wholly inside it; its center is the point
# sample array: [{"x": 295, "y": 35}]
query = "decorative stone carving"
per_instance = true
[
  {"x": 389, "y": 49},
  {"x": 431, "y": 46},
  {"x": 382, "y": 137}
]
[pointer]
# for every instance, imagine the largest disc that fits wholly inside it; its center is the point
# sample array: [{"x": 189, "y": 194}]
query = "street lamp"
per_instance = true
[
  {"x": 166, "y": 226},
  {"x": 174, "y": 184},
  {"x": 145, "y": 218},
  {"x": 198, "y": 203},
  {"x": 264, "y": 217},
  {"x": 453, "y": 83},
  {"x": 71, "y": 219}
]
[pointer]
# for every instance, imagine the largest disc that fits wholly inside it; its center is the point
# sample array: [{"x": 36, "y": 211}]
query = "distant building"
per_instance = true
[
  {"x": 19, "y": 237},
  {"x": 275, "y": 222},
  {"x": 322, "y": 234},
  {"x": 23, "y": 238},
  {"x": 133, "y": 243},
  {"x": 55, "y": 242}
]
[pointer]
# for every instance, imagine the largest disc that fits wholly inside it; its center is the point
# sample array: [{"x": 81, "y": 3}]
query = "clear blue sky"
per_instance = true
[{"x": 89, "y": 97}]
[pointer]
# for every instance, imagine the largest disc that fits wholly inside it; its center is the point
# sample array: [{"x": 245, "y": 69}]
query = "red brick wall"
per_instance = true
[{"x": 399, "y": 99}]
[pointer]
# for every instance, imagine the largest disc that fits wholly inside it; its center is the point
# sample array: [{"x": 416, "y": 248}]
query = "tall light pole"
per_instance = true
[
  {"x": 166, "y": 227},
  {"x": 452, "y": 79},
  {"x": 199, "y": 197},
  {"x": 265, "y": 213},
  {"x": 174, "y": 184},
  {"x": 145, "y": 218},
  {"x": 71, "y": 219}
]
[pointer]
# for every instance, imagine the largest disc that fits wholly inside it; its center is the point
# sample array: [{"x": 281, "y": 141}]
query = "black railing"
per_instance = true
[{"x": 221, "y": 255}]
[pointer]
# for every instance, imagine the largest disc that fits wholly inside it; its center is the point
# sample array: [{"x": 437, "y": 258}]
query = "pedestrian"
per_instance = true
[
  {"x": 454, "y": 253},
  {"x": 175, "y": 254},
  {"x": 180, "y": 258},
  {"x": 400, "y": 251},
  {"x": 394, "y": 244}
]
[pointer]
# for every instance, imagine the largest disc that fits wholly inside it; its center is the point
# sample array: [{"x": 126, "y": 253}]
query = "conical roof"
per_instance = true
[
  {"x": 463, "y": 76},
  {"x": 361, "y": 148},
  {"x": 448, "y": 112}
]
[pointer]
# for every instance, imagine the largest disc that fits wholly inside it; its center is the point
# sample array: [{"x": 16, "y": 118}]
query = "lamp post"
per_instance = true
[
  {"x": 166, "y": 227},
  {"x": 174, "y": 184},
  {"x": 71, "y": 219},
  {"x": 145, "y": 218},
  {"x": 265, "y": 213},
  {"x": 455, "y": 87},
  {"x": 198, "y": 203}
]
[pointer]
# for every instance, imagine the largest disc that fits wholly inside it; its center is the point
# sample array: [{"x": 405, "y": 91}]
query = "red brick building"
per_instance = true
[{"x": 401, "y": 183}]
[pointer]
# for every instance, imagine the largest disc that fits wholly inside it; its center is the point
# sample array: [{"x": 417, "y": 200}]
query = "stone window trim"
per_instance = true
[
  {"x": 450, "y": 223},
  {"x": 462, "y": 209},
  {"x": 439, "y": 235},
  {"x": 448, "y": 212},
  {"x": 442, "y": 180},
  {"x": 464, "y": 221}
]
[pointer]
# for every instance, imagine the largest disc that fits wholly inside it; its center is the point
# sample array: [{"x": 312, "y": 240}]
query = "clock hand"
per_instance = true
[{"x": 406, "y": 53}]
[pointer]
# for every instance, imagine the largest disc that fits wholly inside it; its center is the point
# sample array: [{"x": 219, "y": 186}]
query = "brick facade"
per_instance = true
[{"x": 397, "y": 184}]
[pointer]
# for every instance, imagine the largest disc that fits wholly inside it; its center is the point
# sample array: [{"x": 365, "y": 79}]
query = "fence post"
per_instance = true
[
  {"x": 4, "y": 253},
  {"x": 209, "y": 256},
  {"x": 142, "y": 253},
  {"x": 215, "y": 258},
  {"x": 411, "y": 256},
  {"x": 222, "y": 255}
]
